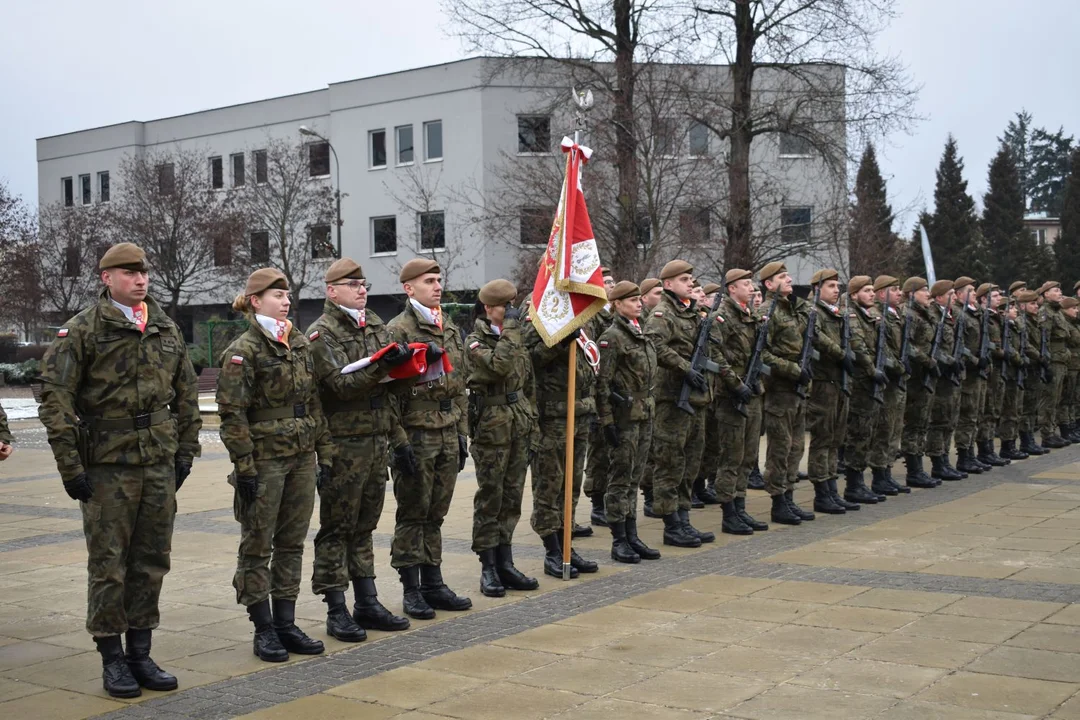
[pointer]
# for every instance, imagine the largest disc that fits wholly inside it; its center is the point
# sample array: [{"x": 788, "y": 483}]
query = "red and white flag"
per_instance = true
[{"x": 569, "y": 288}]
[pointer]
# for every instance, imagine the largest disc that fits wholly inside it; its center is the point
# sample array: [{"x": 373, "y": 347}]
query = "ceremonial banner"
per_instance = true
[{"x": 928, "y": 257}]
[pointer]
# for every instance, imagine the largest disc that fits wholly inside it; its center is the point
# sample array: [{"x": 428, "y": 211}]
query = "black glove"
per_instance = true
[
  {"x": 935, "y": 370},
  {"x": 463, "y": 451},
  {"x": 183, "y": 469},
  {"x": 324, "y": 475},
  {"x": 805, "y": 376},
  {"x": 80, "y": 488},
  {"x": 697, "y": 380},
  {"x": 984, "y": 363},
  {"x": 247, "y": 486},
  {"x": 611, "y": 435},
  {"x": 743, "y": 393},
  {"x": 1049, "y": 374},
  {"x": 405, "y": 461},
  {"x": 434, "y": 352},
  {"x": 399, "y": 355},
  {"x": 880, "y": 377},
  {"x": 512, "y": 313},
  {"x": 565, "y": 342},
  {"x": 849, "y": 362}
]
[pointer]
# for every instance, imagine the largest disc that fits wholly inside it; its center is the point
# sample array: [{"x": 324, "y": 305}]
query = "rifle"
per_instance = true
[
  {"x": 879, "y": 356},
  {"x": 755, "y": 368},
  {"x": 905, "y": 344},
  {"x": 699, "y": 361},
  {"x": 808, "y": 354},
  {"x": 1021, "y": 372},
  {"x": 1044, "y": 352},
  {"x": 935, "y": 350},
  {"x": 845, "y": 345},
  {"x": 984, "y": 341},
  {"x": 1005, "y": 342},
  {"x": 959, "y": 348}
]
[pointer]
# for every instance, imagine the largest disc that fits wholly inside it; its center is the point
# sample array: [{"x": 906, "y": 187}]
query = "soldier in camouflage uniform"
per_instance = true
[
  {"x": 434, "y": 413},
  {"x": 651, "y": 292},
  {"x": 364, "y": 425},
  {"x": 1012, "y": 396},
  {"x": 502, "y": 425},
  {"x": 1030, "y": 327},
  {"x": 273, "y": 427},
  {"x": 973, "y": 387},
  {"x": 704, "y": 489},
  {"x": 990, "y": 297},
  {"x": 886, "y": 432},
  {"x": 5, "y": 436},
  {"x": 1069, "y": 306},
  {"x": 944, "y": 408},
  {"x": 597, "y": 461},
  {"x": 624, "y": 402},
  {"x": 924, "y": 374},
  {"x": 120, "y": 407},
  {"x": 1057, "y": 331}
]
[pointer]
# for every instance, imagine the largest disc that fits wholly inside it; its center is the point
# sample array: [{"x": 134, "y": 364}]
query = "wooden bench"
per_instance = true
[{"x": 208, "y": 380}]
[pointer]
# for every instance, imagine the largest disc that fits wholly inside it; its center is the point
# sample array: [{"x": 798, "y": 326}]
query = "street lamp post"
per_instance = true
[{"x": 305, "y": 130}]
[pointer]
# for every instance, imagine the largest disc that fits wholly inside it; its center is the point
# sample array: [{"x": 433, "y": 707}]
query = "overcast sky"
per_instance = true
[{"x": 70, "y": 65}]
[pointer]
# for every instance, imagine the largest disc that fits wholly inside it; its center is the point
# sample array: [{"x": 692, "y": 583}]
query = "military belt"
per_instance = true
[
  {"x": 510, "y": 398},
  {"x": 444, "y": 405},
  {"x": 298, "y": 410},
  {"x": 377, "y": 402},
  {"x": 135, "y": 422},
  {"x": 554, "y": 397}
]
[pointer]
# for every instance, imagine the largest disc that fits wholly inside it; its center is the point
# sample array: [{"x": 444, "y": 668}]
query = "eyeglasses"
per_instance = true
[{"x": 354, "y": 284}]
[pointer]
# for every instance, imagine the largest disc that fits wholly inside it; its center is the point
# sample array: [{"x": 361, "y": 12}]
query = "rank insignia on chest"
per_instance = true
[
  {"x": 237, "y": 359},
  {"x": 62, "y": 332},
  {"x": 313, "y": 336}
]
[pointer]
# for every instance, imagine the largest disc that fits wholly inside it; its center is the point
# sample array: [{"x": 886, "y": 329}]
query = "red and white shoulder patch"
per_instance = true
[
  {"x": 719, "y": 318},
  {"x": 62, "y": 332},
  {"x": 237, "y": 359},
  {"x": 603, "y": 343},
  {"x": 658, "y": 313},
  {"x": 313, "y": 336},
  {"x": 475, "y": 344}
]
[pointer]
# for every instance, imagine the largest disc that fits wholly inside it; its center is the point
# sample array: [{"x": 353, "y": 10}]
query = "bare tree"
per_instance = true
[
  {"x": 18, "y": 282},
  {"x": 70, "y": 243}
]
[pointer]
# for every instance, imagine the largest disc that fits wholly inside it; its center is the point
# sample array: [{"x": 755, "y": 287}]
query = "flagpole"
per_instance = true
[{"x": 568, "y": 487}]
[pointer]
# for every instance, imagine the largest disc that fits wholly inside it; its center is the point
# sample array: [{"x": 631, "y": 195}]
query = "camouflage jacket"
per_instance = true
[
  {"x": 1058, "y": 326},
  {"x": 948, "y": 333},
  {"x": 786, "y": 329},
  {"x": 500, "y": 369},
  {"x": 100, "y": 367},
  {"x": 1074, "y": 344},
  {"x": 550, "y": 368},
  {"x": 261, "y": 375},
  {"x": 864, "y": 338},
  {"x": 972, "y": 330},
  {"x": 735, "y": 333},
  {"x": 997, "y": 353},
  {"x": 672, "y": 329},
  {"x": 441, "y": 403},
  {"x": 827, "y": 341},
  {"x": 920, "y": 339},
  {"x": 5, "y": 433},
  {"x": 1033, "y": 331},
  {"x": 894, "y": 336},
  {"x": 627, "y": 368},
  {"x": 358, "y": 403}
]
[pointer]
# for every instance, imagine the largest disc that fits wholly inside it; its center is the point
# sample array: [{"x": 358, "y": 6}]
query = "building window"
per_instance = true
[
  {"x": 1040, "y": 236},
  {"x": 261, "y": 173},
  {"x": 432, "y": 231},
  {"x": 103, "y": 186},
  {"x": 377, "y": 148},
  {"x": 643, "y": 229},
  {"x": 665, "y": 141},
  {"x": 260, "y": 247},
  {"x": 699, "y": 140},
  {"x": 433, "y": 140},
  {"x": 403, "y": 137},
  {"x": 794, "y": 146},
  {"x": 222, "y": 250},
  {"x": 67, "y": 186},
  {"x": 694, "y": 226},
  {"x": 71, "y": 261},
  {"x": 536, "y": 225},
  {"x": 84, "y": 190},
  {"x": 166, "y": 179},
  {"x": 217, "y": 174},
  {"x": 238, "y": 170},
  {"x": 795, "y": 225},
  {"x": 534, "y": 133},
  {"x": 318, "y": 159},
  {"x": 383, "y": 235}
]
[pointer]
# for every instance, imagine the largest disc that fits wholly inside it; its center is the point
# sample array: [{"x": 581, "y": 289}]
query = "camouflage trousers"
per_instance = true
[
  {"x": 738, "y": 439},
  {"x": 1065, "y": 404},
  {"x": 864, "y": 415},
  {"x": 785, "y": 431},
  {"x": 942, "y": 417},
  {"x": 711, "y": 452},
  {"x": 627, "y": 465},
  {"x": 673, "y": 434},
  {"x": 1075, "y": 396},
  {"x": 1032, "y": 395},
  {"x": 972, "y": 394},
  {"x": 500, "y": 483},
  {"x": 993, "y": 401},
  {"x": 823, "y": 414},
  {"x": 696, "y": 450},
  {"x": 424, "y": 499},
  {"x": 647, "y": 463},
  {"x": 1048, "y": 402},
  {"x": 128, "y": 525},
  {"x": 349, "y": 509},
  {"x": 597, "y": 462},
  {"x": 273, "y": 529},
  {"x": 1011, "y": 400},
  {"x": 549, "y": 471},
  {"x": 885, "y": 440},
  {"x": 916, "y": 423}
]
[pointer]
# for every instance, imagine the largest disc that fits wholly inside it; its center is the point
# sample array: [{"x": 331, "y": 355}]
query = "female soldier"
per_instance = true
[
  {"x": 625, "y": 404},
  {"x": 502, "y": 424},
  {"x": 272, "y": 425}
]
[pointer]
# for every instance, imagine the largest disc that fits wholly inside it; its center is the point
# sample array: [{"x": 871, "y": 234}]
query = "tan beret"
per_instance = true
[
  {"x": 1076, "y": 286},
  {"x": 1069, "y": 302},
  {"x": 1017, "y": 285},
  {"x": 711, "y": 288},
  {"x": 984, "y": 289},
  {"x": 695, "y": 284},
  {"x": 648, "y": 284},
  {"x": 128, "y": 256},
  {"x": 962, "y": 282},
  {"x": 497, "y": 292},
  {"x": 417, "y": 267},
  {"x": 735, "y": 275},
  {"x": 858, "y": 282},
  {"x": 675, "y": 268},
  {"x": 771, "y": 270},
  {"x": 941, "y": 287},
  {"x": 913, "y": 284},
  {"x": 1026, "y": 296},
  {"x": 883, "y": 281},
  {"x": 623, "y": 289},
  {"x": 265, "y": 279},
  {"x": 822, "y": 275},
  {"x": 342, "y": 269},
  {"x": 1049, "y": 284}
]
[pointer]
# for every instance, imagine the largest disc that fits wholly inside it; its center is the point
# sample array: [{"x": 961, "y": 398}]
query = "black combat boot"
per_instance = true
[
  {"x": 1030, "y": 446},
  {"x": 878, "y": 484},
  {"x": 703, "y": 535},
  {"x": 755, "y": 525},
  {"x": 581, "y": 564},
  {"x": 490, "y": 584},
  {"x": 1074, "y": 432},
  {"x": 804, "y": 515},
  {"x": 553, "y": 556},
  {"x": 1009, "y": 451},
  {"x": 916, "y": 477},
  {"x": 412, "y": 600},
  {"x": 855, "y": 489},
  {"x": 949, "y": 466},
  {"x": 709, "y": 495},
  {"x": 973, "y": 456},
  {"x": 644, "y": 551},
  {"x": 143, "y": 668},
  {"x": 755, "y": 480},
  {"x": 511, "y": 577},
  {"x": 267, "y": 645},
  {"x": 369, "y": 613},
  {"x": 116, "y": 676},
  {"x": 620, "y": 546},
  {"x": 945, "y": 471},
  {"x": 823, "y": 500},
  {"x": 1063, "y": 433},
  {"x": 733, "y": 524},
  {"x": 965, "y": 462},
  {"x": 677, "y": 534},
  {"x": 293, "y": 638},
  {"x": 782, "y": 512},
  {"x": 646, "y": 505},
  {"x": 437, "y": 594},
  {"x": 581, "y": 531},
  {"x": 902, "y": 489},
  {"x": 339, "y": 623},
  {"x": 598, "y": 517},
  {"x": 987, "y": 456},
  {"x": 840, "y": 499},
  {"x": 701, "y": 491},
  {"x": 695, "y": 501}
]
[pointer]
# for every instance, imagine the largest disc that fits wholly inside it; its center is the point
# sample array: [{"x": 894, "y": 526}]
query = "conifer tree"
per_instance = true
[
  {"x": 1010, "y": 248},
  {"x": 1018, "y": 137},
  {"x": 1067, "y": 247},
  {"x": 954, "y": 227},
  {"x": 873, "y": 247}
]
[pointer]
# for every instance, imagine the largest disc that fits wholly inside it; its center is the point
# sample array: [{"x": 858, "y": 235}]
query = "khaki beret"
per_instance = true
[
  {"x": 984, "y": 289},
  {"x": 695, "y": 284},
  {"x": 648, "y": 284},
  {"x": 623, "y": 289},
  {"x": 1049, "y": 284},
  {"x": 771, "y": 270},
  {"x": 941, "y": 287},
  {"x": 858, "y": 282},
  {"x": 822, "y": 275},
  {"x": 1017, "y": 285},
  {"x": 417, "y": 267},
  {"x": 884, "y": 281},
  {"x": 1027, "y": 296},
  {"x": 675, "y": 268},
  {"x": 342, "y": 269},
  {"x": 265, "y": 279},
  {"x": 1069, "y": 302},
  {"x": 913, "y": 284},
  {"x": 711, "y": 288},
  {"x": 128, "y": 256},
  {"x": 1076, "y": 286},
  {"x": 735, "y": 275},
  {"x": 962, "y": 282},
  {"x": 497, "y": 292},
  {"x": 604, "y": 271}
]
